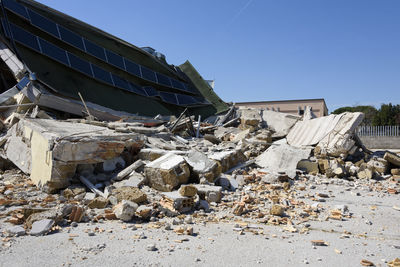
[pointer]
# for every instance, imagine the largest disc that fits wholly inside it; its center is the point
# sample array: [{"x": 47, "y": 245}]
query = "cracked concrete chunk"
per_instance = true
[
  {"x": 175, "y": 202},
  {"x": 308, "y": 165},
  {"x": 125, "y": 210},
  {"x": 129, "y": 193},
  {"x": 202, "y": 165},
  {"x": 41, "y": 227},
  {"x": 209, "y": 192},
  {"x": 228, "y": 159},
  {"x": 167, "y": 173},
  {"x": 392, "y": 158},
  {"x": 279, "y": 122},
  {"x": 281, "y": 157},
  {"x": 53, "y": 148}
]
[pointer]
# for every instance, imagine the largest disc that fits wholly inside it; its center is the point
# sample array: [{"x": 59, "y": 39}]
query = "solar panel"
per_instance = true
[
  {"x": 80, "y": 64},
  {"x": 150, "y": 91},
  {"x": 188, "y": 88},
  {"x": 16, "y": 8},
  {"x": 136, "y": 89},
  {"x": 148, "y": 74},
  {"x": 168, "y": 97},
  {"x": 23, "y": 82},
  {"x": 185, "y": 99},
  {"x": 120, "y": 82},
  {"x": 43, "y": 23},
  {"x": 102, "y": 74},
  {"x": 53, "y": 51},
  {"x": 5, "y": 28},
  {"x": 115, "y": 59},
  {"x": 25, "y": 37},
  {"x": 71, "y": 38},
  {"x": 95, "y": 50},
  {"x": 132, "y": 68},
  {"x": 163, "y": 80},
  {"x": 177, "y": 84}
]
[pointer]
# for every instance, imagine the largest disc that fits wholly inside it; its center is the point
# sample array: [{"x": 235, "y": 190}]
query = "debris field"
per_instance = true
[{"x": 258, "y": 173}]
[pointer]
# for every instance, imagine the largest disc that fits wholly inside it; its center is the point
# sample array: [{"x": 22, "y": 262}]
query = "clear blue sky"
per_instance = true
[{"x": 346, "y": 51}]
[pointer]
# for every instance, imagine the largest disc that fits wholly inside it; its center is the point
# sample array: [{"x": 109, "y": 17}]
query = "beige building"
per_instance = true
[{"x": 295, "y": 107}]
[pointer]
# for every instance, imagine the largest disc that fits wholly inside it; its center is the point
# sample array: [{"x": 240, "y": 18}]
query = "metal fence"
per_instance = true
[{"x": 378, "y": 131}]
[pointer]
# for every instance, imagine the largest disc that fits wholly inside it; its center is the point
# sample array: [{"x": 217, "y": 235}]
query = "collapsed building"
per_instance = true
[
  {"x": 55, "y": 57},
  {"x": 93, "y": 123}
]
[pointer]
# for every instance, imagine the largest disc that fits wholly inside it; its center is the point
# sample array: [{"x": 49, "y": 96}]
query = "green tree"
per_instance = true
[
  {"x": 369, "y": 112},
  {"x": 388, "y": 114}
]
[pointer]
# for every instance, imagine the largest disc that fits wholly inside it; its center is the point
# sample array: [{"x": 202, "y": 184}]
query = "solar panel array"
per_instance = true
[
  {"x": 93, "y": 49},
  {"x": 66, "y": 58}
]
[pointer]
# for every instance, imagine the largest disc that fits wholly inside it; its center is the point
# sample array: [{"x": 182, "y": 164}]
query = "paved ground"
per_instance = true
[{"x": 371, "y": 232}]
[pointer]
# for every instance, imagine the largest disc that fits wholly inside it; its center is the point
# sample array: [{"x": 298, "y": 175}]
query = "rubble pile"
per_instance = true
[{"x": 245, "y": 166}]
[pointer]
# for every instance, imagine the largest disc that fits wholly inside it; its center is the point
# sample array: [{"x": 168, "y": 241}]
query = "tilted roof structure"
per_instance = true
[{"x": 69, "y": 56}]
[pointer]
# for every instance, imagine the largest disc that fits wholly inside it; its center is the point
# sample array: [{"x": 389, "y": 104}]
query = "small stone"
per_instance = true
[
  {"x": 151, "y": 247},
  {"x": 91, "y": 233},
  {"x": 74, "y": 224},
  {"x": 276, "y": 210},
  {"x": 144, "y": 212},
  {"x": 16, "y": 230},
  {"x": 125, "y": 210},
  {"x": 188, "y": 190},
  {"x": 98, "y": 203},
  {"x": 41, "y": 227},
  {"x": 188, "y": 220}
]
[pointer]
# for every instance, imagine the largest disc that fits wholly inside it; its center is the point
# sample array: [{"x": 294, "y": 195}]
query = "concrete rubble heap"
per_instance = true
[{"x": 247, "y": 163}]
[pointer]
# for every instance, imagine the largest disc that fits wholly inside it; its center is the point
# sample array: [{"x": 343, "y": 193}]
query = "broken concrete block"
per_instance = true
[
  {"x": 41, "y": 227},
  {"x": 175, "y": 202},
  {"x": 239, "y": 208},
  {"x": 128, "y": 170},
  {"x": 203, "y": 166},
  {"x": 129, "y": 193},
  {"x": 228, "y": 159},
  {"x": 392, "y": 158},
  {"x": 16, "y": 230},
  {"x": 225, "y": 134},
  {"x": 365, "y": 174},
  {"x": 57, "y": 147},
  {"x": 378, "y": 164},
  {"x": 34, "y": 215},
  {"x": 339, "y": 171},
  {"x": 276, "y": 210},
  {"x": 241, "y": 135},
  {"x": 332, "y": 133},
  {"x": 134, "y": 179},
  {"x": 309, "y": 166},
  {"x": 395, "y": 171},
  {"x": 125, "y": 210},
  {"x": 279, "y": 122},
  {"x": 209, "y": 192},
  {"x": 250, "y": 118},
  {"x": 144, "y": 212},
  {"x": 281, "y": 157},
  {"x": 98, "y": 203},
  {"x": 73, "y": 191},
  {"x": 167, "y": 172},
  {"x": 188, "y": 190}
]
